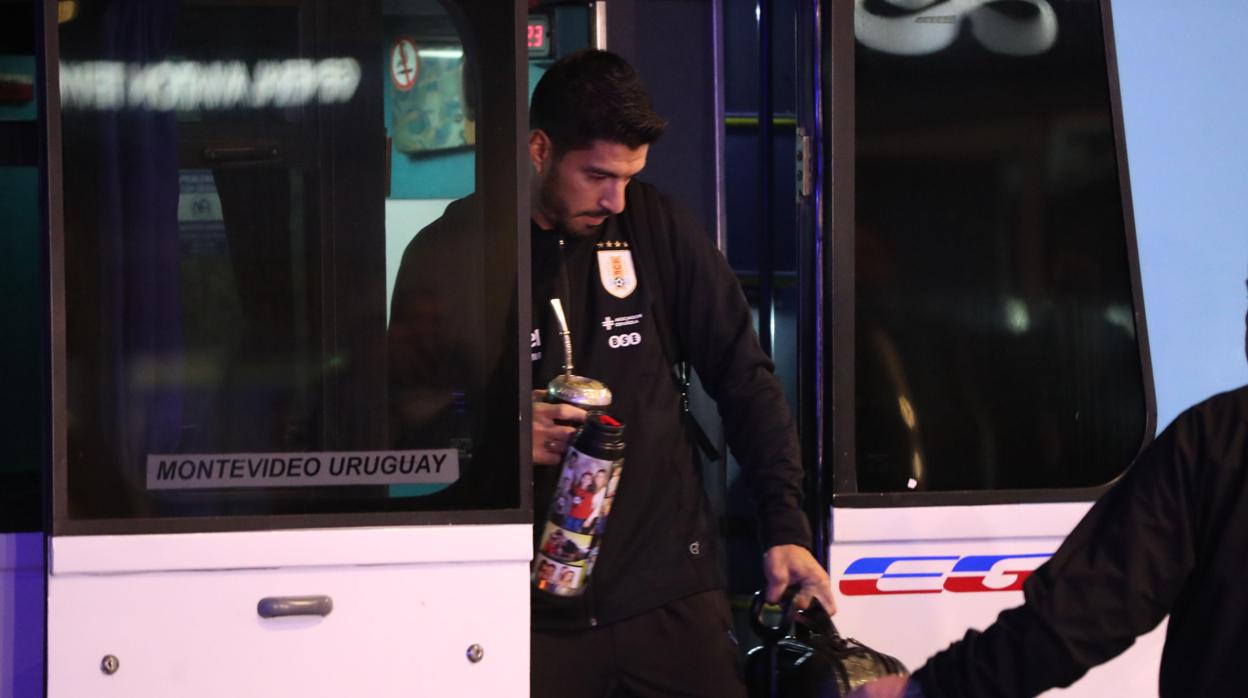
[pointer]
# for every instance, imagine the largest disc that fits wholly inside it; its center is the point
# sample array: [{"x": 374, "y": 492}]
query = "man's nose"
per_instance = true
[{"x": 613, "y": 197}]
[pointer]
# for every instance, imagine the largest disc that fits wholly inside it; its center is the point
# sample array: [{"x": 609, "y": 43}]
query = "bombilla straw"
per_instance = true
[{"x": 565, "y": 334}]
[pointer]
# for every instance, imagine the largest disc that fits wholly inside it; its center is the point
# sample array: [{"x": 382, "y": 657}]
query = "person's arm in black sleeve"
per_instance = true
[
  {"x": 429, "y": 357},
  {"x": 1115, "y": 577},
  {"x": 417, "y": 361},
  {"x": 713, "y": 321},
  {"x": 716, "y": 330}
]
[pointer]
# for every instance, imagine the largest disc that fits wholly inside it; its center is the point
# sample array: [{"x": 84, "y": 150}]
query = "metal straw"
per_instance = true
[{"x": 565, "y": 334}]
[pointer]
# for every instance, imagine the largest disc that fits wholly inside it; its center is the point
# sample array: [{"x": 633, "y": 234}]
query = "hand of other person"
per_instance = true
[
  {"x": 886, "y": 687},
  {"x": 785, "y": 565},
  {"x": 550, "y": 440}
]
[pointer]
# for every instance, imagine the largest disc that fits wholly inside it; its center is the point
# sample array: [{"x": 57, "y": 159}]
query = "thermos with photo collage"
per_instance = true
[
  {"x": 591, "y": 469},
  {"x": 580, "y": 507}
]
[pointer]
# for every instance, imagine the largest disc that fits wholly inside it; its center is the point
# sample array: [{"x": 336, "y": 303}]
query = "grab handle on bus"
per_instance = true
[
  {"x": 281, "y": 606},
  {"x": 240, "y": 154}
]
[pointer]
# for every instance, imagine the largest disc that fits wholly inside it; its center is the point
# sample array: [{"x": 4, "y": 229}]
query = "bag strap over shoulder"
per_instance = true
[{"x": 655, "y": 269}]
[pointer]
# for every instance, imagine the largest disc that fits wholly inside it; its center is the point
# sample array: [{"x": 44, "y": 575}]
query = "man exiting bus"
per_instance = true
[{"x": 643, "y": 289}]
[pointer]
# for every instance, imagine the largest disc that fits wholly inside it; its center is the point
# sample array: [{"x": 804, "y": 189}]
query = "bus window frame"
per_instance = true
[
  {"x": 22, "y": 510},
  {"x": 838, "y": 452},
  {"x": 501, "y": 146}
]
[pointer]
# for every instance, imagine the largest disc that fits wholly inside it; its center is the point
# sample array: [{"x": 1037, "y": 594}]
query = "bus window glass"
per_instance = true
[
  {"x": 996, "y": 343},
  {"x": 244, "y": 184}
]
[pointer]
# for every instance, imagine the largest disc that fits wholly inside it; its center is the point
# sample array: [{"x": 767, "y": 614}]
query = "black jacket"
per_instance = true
[
  {"x": 1171, "y": 537},
  {"x": 445, "y": 350},
  {"x": 660, "y": 543}
]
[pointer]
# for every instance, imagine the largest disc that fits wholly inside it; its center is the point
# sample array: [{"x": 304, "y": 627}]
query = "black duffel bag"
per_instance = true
[{"x": 803, "y": 656}]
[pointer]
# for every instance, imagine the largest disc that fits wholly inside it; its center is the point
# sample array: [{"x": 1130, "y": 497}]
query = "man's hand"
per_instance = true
[
  {"x": 550, "y": 440},
  {"x": 786, "y": 565}
]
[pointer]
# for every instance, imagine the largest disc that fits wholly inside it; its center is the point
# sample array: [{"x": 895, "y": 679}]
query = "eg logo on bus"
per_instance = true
[{"x": 933, "y": 574}]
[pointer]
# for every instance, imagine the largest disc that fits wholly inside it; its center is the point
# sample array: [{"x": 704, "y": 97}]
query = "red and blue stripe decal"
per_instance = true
[{"x": 934, "y": 574}]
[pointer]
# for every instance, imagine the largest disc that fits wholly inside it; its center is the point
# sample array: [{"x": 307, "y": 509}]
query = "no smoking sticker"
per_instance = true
[{"x": 404, "y": 64}]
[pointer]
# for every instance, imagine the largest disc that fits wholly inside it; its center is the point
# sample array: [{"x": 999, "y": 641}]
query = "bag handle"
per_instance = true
[
  {"x": 813, "y": 620},
  {"x": 788, "y": 614}
]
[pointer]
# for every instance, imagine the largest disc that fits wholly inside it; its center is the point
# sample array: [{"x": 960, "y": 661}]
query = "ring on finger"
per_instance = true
[{"x": 550, "y": 444}]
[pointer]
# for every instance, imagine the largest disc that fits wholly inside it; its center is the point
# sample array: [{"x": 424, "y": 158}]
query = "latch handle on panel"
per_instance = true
[{"x": 280, "y": 606}]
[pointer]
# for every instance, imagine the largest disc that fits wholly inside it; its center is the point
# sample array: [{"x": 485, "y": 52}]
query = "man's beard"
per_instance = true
[{"x": 558, "y": 213}]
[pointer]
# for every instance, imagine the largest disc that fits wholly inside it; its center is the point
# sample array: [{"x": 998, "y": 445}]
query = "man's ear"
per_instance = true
[{"x": 540, "y": 150}]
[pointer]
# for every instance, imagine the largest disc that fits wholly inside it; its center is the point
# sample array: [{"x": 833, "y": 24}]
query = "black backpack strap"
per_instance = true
[{"x": 645, "y": 205}]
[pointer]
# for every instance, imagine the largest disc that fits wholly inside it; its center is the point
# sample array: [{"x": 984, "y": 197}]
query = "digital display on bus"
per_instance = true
[{"x": 539, "y": 36}]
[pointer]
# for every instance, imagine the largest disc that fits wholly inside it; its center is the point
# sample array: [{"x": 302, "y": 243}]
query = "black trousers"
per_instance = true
[{"x": 685, "y": 648}]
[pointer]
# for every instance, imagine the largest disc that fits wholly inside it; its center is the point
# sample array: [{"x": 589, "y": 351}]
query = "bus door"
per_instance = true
[
  {"x": 287, "y": 428},
  {"x": 986, "y": 372}
]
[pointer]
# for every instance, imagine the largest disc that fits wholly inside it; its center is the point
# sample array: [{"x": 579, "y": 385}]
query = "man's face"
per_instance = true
[{"x": 577, "y": 190}]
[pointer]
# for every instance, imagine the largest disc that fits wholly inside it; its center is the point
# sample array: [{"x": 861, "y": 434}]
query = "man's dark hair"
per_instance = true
[{"x": 593, "y": 95}]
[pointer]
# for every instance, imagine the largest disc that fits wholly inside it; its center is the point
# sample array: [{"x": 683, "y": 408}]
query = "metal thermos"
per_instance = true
[{"x": 580, "y": 507}]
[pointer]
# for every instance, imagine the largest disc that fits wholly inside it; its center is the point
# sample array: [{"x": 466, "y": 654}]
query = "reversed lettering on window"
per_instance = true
[{"x": 216, "y": 470}]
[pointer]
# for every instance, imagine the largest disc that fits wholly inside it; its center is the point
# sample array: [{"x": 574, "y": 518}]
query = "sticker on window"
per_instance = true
[{"x": 315, "y": 469}]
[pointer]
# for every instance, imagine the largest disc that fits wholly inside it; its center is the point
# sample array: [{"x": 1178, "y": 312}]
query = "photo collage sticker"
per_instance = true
[{"x": 574, "y": 526}]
